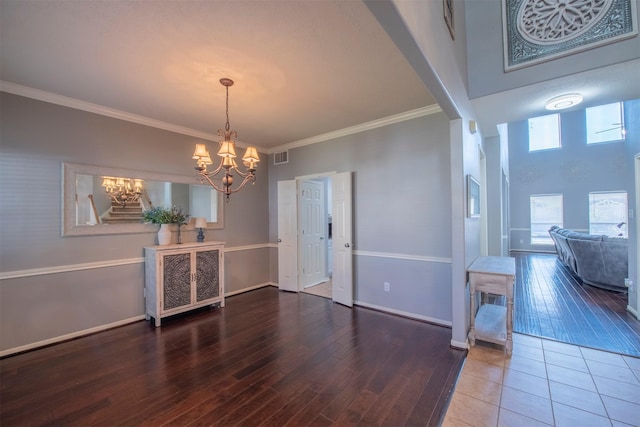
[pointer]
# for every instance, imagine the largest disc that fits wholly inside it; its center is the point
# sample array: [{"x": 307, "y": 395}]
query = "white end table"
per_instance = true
[{"x": 492, "y": 323}]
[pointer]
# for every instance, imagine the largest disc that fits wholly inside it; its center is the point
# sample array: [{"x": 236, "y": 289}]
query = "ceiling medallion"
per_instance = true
[
  {"x": 536, "y": 31},
  {"x": 554, "y": 21}
]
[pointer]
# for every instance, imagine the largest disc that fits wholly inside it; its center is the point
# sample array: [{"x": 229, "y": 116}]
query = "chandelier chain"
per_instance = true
[{"x": 227, "y": 126}]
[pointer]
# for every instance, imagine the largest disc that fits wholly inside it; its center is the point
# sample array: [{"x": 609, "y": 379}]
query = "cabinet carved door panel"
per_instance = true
[
  {"x": 177, "y": 280},
  {"x": 207, "y": 275}
]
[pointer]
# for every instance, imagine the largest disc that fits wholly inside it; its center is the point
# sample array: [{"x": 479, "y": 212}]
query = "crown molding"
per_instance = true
[
  {"x": 385, "y": 121},
  {"x": 77, "y": 104},
  {"x": 89, "y": 107}
]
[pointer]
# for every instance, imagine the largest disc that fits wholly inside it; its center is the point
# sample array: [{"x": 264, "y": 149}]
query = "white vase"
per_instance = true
[{"x": 164, "y": 235}]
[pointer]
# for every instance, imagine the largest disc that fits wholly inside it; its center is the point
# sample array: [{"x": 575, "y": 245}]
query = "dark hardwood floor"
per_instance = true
[
  {"x": 550, "y": 302},
  {"x": 268, "y": 358}
]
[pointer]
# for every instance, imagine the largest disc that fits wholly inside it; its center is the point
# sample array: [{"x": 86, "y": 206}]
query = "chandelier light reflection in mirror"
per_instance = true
[
  {"x": 122, "y": 190},
  {"x": 227, "y": 154}
]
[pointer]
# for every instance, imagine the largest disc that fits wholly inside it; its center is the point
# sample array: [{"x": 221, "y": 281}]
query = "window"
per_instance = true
[
  {"x": 546, "y": 210},
  {"x": 605, "y": 123},
  {"x": 544, "y": 132},
  {"x": 608, "y": 213}
]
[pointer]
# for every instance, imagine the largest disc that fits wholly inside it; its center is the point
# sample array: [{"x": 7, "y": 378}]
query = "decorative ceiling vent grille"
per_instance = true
[
  {"x": 535, "y": 31},
  {"x": 281, "y": 157}
]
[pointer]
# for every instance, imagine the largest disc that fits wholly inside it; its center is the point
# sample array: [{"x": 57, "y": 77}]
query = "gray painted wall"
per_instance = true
[
  {"x": 573, "y": 170},
  {"x": 494, "y": 196},
  {"x": 36, "y": 137},
  {"x": 484, "y": 54},
  {"x": 418, "y": 29},
  {"x": 402, "y": 206}
]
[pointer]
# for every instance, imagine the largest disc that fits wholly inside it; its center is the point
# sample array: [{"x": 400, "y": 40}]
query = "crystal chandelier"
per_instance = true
[
  {"x": 122, "y": 190},
  {"x": 227, "y": 153}
]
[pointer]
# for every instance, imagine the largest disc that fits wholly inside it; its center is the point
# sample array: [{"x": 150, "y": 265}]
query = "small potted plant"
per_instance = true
[{"x": 164, "y": 217}]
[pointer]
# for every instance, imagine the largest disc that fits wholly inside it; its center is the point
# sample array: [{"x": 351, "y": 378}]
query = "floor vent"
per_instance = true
[{"x": 281, "y": 157}]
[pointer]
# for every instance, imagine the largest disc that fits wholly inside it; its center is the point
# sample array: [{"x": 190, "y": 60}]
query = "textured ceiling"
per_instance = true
[{"x": 301, "y": 69}]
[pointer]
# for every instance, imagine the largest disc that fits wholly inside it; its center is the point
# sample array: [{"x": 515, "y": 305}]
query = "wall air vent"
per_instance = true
[{"x": 281, "y": 157}]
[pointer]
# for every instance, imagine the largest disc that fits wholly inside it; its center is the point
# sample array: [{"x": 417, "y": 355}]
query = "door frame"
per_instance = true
[
  {"x": 636, "y": 163},
  {"x": 299, "y": 180}
]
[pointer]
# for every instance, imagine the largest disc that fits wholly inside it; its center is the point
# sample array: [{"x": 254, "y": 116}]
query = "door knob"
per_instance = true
[
  {"x": 321, "y": 238},
  {"x": 279, "y": 240},
  {"x": 346, "y": 245}
]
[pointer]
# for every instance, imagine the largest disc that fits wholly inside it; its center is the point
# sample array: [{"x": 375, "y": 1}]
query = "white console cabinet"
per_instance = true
[{"x": 183, "y": 277}]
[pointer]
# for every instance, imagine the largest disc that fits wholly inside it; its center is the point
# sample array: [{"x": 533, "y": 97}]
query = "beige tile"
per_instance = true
[
  {"x": 617, "y": 389},
  {"x": 567, "y": 416},
  {"x": 571, "y": 377},
  {"x": 485, "y": 370},
  {"x": 527, "y": 365},
  {"x": 614, "y": 372},
  {"x": 452, "y": 422},
  {"x": 487, "y": 354},
  {"x": 527, "y": 404},
  {"x": 621, "y": 410},
  {"x": 527, "y": 340},
  {"x": 528, "y": 352},
  {"x": 479, "y": 388},
  {"x": 632, "y": 362},
  {"x": 508, "y": 418},
  {"x": 566, "y": 361},
  {"x": 577, "y": 398},
  {"x": 560, "y": 347},
  {"x": 527, "y": 383},
  {"x": 472, "y": 411},
  {"x": 603, "y": 356}
]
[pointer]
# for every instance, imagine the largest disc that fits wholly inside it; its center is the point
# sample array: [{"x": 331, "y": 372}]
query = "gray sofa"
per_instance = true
[{"x": 598, "y": 260}]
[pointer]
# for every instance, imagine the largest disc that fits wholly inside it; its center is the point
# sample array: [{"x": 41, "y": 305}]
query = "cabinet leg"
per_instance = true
[{"x": 157, "y": 322}]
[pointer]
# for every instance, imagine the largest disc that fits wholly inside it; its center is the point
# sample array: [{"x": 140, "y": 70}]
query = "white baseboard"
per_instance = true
[
  {"x": 532, "y": 251},
  {"x": 101, "y": 328},
  {"x": 250, "y": 288},
  {"x": 404, "y": 313},
  {"x": 70, "y": 336},
  {"x": 461, "y": 345},
  {"x": 633, "y": 311}
]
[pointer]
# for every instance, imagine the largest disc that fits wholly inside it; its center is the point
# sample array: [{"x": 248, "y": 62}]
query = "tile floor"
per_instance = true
[
  {"x": 545, "y": 383},
  {"x": 324, "y": 289}
]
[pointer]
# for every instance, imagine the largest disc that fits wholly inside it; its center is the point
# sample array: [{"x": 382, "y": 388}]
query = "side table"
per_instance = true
[{"x": 492, "y": 323}]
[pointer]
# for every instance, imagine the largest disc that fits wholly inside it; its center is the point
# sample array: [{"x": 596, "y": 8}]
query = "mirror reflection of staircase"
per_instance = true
[{"x": 121, "y": 214}]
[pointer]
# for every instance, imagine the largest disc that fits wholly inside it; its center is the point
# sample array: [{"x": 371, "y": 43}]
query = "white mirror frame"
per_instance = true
[{"x": 69, "y": 227}]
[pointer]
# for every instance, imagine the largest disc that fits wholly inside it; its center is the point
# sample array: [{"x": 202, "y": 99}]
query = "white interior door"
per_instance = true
[
  {"x": 342, "y": 239},
  {"x": 312, "y": 233},
  {"x": 287, "y": 236}
]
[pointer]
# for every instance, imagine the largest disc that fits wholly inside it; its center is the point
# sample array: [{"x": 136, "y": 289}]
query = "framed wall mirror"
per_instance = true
[
  {"x": 473, "y": 197},
  {"x": 103, "y": 200}
]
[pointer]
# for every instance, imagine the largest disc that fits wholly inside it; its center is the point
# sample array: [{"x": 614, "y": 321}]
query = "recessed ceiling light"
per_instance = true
[{"x": 563, "y": 101}]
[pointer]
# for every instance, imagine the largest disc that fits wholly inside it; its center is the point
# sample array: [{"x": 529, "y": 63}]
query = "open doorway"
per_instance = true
[
  {"x": 338, "y": 250},
  {"x": 315, "y": 241}
]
